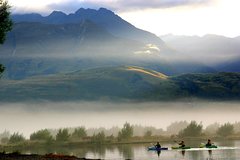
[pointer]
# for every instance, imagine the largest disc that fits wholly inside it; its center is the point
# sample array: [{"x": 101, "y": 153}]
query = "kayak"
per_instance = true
[
  {"x": 186, "y": 147},
  {"x": 157, "y": 149},
  {"x": 204, "y": 146}
]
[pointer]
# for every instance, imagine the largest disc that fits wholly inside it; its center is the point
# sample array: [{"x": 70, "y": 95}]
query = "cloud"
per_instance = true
[{"x": 124, "y": 5}]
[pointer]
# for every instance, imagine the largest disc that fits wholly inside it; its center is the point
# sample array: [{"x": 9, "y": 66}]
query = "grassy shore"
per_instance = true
[{"x": 18, "y": 156}]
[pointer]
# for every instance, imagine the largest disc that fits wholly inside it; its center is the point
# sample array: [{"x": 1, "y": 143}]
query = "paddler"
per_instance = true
[
  {"x": 209, "y": 143},
  {"x": 182, "y": 144},
  {"x": 158, "y": 146}
]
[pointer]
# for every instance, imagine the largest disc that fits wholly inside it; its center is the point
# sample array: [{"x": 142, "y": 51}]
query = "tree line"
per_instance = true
[{"x": 126, "y": 133}]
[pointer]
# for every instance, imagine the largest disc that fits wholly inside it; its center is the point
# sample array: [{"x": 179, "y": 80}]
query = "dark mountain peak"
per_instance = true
[
  {"x": 105, "y": 11},
  {"x": 83, "y": 11},
  {"x": 56, "y": 14},
  {"x": 104, "y": 18},
  {"x": 57, "y": 17}
]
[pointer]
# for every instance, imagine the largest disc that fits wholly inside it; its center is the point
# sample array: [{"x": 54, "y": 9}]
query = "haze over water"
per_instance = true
[{"x": 29, "y": 117}]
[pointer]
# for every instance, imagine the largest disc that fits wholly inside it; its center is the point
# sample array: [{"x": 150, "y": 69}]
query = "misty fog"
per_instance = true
[{"x": 29, "y": 117}]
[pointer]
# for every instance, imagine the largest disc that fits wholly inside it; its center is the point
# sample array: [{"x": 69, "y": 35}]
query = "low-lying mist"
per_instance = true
[{"x": 29, "y": 117}]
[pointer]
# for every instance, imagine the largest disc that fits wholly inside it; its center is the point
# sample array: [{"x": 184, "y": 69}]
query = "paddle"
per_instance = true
[{"x": 175, "y": 141}]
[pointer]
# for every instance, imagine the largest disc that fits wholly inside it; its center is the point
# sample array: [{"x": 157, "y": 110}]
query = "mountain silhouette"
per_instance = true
[{"x": 102, "y": 17}]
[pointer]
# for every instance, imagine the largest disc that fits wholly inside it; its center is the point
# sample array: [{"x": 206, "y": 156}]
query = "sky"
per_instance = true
[{"x": 179, "y": 17}]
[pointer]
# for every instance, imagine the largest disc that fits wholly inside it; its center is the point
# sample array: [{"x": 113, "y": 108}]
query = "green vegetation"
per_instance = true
[
  {"x": 5, "y": 21},
  {"x": 225, "y": 130},
  {"x": 216, "y": 86},
  {"x": 41, "y": 135},
  {"x": 62, "y": 135},
  {"x": 99, "y": 138},
  {"x": 192, "y": 130},
  {"x": 5, "y": 24},
  {"x": 126, "y": 132},
  {"x": 79, "y": 133},
  {"x": 121, "y": 83},
  {"x": 16, "y": 138}
]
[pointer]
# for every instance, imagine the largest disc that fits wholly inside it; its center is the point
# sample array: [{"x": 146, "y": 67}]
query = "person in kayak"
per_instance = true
[
  {"x": 181, "y": 144},
  {"x": 158, "y": 146},
  {"x": 209, "y": 143}
]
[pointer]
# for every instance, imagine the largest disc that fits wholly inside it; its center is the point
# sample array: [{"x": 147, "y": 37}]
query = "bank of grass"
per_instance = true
[{"x": 19, "y": 156}]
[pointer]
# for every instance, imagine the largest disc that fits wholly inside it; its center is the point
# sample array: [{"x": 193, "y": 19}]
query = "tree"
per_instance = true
[
  {"x": 41, "y": 135},
  {"x": 126, "y": 132},
  {"x": 79, "y": 133},
  {"x": 5, "y": 21},
  {"x": 16, "y": 138},
  {"x": 62, "y": 135},
  {"x": 5, "y": 24},
  {"x": 192, "y": 130},
  {"x": 2, "y": 68},
  {"x": 99, "y": 138},
  {"x": 225, "y": 130}
]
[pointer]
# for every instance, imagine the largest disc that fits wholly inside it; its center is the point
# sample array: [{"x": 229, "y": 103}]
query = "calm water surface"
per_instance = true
[{"x": 229, "y": 150}]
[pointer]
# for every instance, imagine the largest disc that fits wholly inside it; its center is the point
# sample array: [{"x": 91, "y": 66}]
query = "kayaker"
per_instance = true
[
  {"x": 209, "y": 143},
  {"x": 182, "y": 144},
  {"x": 158, "y": 146}
]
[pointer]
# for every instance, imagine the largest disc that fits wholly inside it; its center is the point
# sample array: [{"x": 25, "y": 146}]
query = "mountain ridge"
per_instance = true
[
  {"x": 103, "y": 17},
  {"x": 214, "y": 48},
  {"x": 120, "y": 83}
]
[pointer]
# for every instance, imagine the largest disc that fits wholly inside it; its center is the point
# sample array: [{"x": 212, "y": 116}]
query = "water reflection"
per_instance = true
[
  {"x": 183, "y": 153},
  {"x": 140, "y": 152},
  {"x": 126, "y": 151},
  {"x": 209, "y": 155}
]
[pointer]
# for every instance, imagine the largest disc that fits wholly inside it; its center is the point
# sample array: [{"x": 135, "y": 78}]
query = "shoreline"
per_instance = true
[{"x": 18, "y": 156}]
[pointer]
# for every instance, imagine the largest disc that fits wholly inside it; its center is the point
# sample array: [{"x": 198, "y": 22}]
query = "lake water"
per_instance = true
[
  {"x": 27, "y": 118},
  {"x": 229, "y": 150}
]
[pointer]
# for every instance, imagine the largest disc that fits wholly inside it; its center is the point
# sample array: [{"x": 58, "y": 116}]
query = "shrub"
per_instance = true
[
  {"x": 62, "y": 135},
  {"x": 225, "y": 130},
  {"x": 41, "y": 135},
  {"x": 16, "y": 138},
  {"x": 192, "y": 130},
  {"x": 79, "y": 133},
  {"x": 126, "y": 132}
]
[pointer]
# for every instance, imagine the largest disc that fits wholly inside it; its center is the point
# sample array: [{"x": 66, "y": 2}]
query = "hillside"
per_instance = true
[
  {"x": 210, "y": 49},
  {"x": 121, "y": 83},
  {"x": 83, "y": 39}
]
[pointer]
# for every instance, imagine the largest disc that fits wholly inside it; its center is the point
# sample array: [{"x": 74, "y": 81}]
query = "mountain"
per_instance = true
[
  {"x": 229, "y": 66},
  {"x": 121, "y": 83},
  {"x": 88, "y": 38},
  {"x": 102, "y": 17},
  {"x": 85, "y": 39},
  {"x": 210, "y": 49}
]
